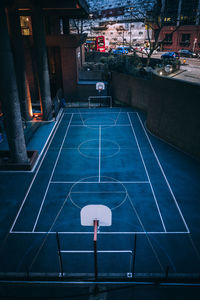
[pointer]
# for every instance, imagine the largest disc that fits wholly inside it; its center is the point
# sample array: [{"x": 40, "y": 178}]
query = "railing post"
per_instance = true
[
  {"x": 134, "y": 254},
  {"x": 59, "y": 254}
]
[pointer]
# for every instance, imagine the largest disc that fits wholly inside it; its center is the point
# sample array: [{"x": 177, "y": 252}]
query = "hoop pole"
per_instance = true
[
  {"x": 95, "y": 249},
  {"x": 134, "y": 254},
  {"x": 59, "y": 254}
]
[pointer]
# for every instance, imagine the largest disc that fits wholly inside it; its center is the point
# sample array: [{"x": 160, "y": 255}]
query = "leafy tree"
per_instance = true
[{"x": 155, "y": 16}]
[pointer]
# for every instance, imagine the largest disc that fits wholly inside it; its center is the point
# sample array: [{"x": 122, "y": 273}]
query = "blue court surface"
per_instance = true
[{"x": 102, "y": 156}]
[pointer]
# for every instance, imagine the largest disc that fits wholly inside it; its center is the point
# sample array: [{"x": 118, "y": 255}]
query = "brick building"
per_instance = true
[{"x": 184, "y": 16}]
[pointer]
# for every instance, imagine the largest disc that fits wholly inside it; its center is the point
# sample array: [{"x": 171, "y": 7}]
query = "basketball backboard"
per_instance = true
[{"x": 90, "y": 213}]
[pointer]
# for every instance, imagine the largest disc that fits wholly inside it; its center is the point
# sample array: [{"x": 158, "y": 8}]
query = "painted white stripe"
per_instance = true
[
  {"x": 99, "y": 113},
  {"x": 52, "y": 173},
  {"x": 142, "y": 225},
  {"x": 43, "y": 148},
  {"x": 147, "y": 173},
  {"x": 99, "y": 153},
  {"x": 99, "y": 251},
  {"x": 38, "y": 159},
  {"x": 106, "y": 233},
  {"x": 100, "y": 192},
  {"x": 107, "y": 125},
  {"x": 89, "y": 182},
  {"x": 163, "y": 173},
  {"x": 31, "y": 184}
]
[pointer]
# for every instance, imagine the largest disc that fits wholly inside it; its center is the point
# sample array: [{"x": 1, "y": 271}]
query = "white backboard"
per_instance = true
[
  {"x": 102, "y": 213},
  {"x": 100, "y": 86}
]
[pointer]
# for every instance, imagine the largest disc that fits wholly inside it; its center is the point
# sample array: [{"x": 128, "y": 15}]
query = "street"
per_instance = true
[{"x": 190, "y": 70}]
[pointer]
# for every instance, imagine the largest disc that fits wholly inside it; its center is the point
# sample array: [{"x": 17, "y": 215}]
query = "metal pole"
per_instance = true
[
  {"x": 95, "y": 249},
  {"x": 27, "y": 271},
  {"x": 167, "y": 272},
  {"x": 134, "y": 254},
  {"x": 59, "y": 255}
]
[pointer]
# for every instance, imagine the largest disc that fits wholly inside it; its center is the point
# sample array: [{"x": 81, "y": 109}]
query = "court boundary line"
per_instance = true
[
  {"x": 34, "y": 177},
  {"x": 92, "y": 113},
  {"x": 99, "y": 251},
  {"x": 152, "y": 190},
  {"x": 116, "y": 182},
  {"x": 106, "y": 125},
  {"x": 101, "y": 232},
  {"x": 43, "y": 148},
  {"x": 54, "y": 182},
  {"x": 164, "y": 175},
  {"x": 52, "y": 173}
]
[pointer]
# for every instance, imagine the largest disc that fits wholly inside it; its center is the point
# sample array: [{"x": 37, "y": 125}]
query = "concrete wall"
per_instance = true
[
  {"x": 130, "y": 90},
  {"x": 172, "y": 106}
]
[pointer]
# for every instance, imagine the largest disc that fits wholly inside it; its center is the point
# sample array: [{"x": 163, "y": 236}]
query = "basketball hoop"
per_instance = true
[
  {"x": 100, "y": 86},
  {"x": 96, "y": 215}
]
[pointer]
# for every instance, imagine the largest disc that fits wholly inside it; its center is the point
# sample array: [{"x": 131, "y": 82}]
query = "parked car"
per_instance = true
[
  {"x": 129, "y": 48},
  {"x": 187, "y": 53},
  {"x": 169, "y": 55},
  {"x": 120, "y": 50}
]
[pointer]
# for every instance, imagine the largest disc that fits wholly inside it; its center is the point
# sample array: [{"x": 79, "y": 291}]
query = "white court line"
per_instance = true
[
  {"x": 99, "y": 251},
  {"x": 147, "y": 173},
  {"x": 41, "y": 206},
  {"x": 106, "y": 233},
  {"x": 99, "y": 113},
  {"x": 107, "y": 125},
  {"x": 100, "y": 192},
  {"x": 43, "y": 148},
  {"x": 89, "y": 182},
  {"x": 100, "y": 153},
  {"x": 31, "y": 184},
  {"x": 163, "y": 173},
  {"x": 142, "y": 225}
]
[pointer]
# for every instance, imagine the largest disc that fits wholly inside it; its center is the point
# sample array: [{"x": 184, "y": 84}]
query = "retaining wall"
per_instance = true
[{"x": 172, "y": 106}]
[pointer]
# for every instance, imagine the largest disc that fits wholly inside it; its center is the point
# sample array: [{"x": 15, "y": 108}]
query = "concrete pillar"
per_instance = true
[
  {"x": 18, "y": 53},
  {"x": 198, "y": 14},
  {"x": 179, "y": 13},
  {"x": 9, "y": 96},
  {"x": 42, "y": 62}
]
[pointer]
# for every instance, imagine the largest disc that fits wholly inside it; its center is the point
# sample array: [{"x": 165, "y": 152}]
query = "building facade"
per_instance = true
[
  {"x": 120, "y": 22},
  {"x": 182, "y": 17},
  {"x": 38, "y": 56}
]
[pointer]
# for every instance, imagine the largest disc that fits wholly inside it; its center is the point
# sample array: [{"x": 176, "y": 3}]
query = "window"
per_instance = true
[
  {"x": 185, "y": 39},
  {"x": 140, "y": 32},
  {"x": 168, "y": 39},
  {"x": 26, "y": 27}
]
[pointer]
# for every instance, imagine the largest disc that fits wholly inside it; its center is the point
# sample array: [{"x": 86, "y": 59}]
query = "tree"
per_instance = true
[{"x": 155, "y": 15}]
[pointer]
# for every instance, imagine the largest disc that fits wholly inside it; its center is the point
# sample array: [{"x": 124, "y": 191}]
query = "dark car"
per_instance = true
[
  {"x": 187, "y": 53},
  {"x": 169, "y": 55},
  {"x": 129, "y": 48}
]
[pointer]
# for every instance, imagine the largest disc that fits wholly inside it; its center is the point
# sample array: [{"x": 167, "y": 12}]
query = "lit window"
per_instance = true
[{"x": 25, "y": 23}]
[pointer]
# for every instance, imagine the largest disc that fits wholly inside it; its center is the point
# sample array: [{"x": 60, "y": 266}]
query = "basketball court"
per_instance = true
[{"x": 105, "y": 157}]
